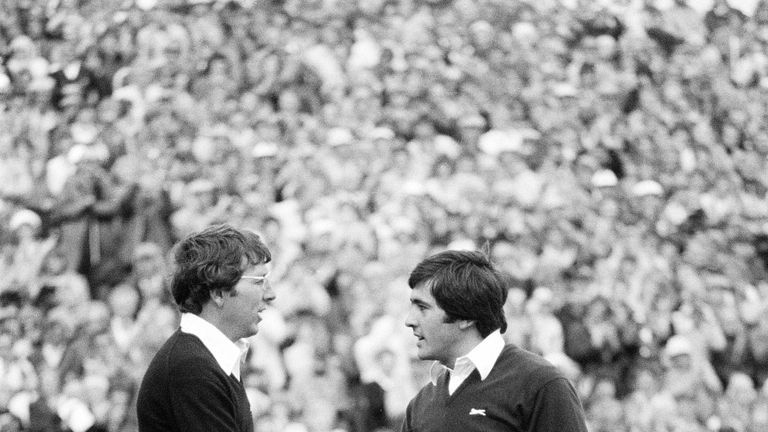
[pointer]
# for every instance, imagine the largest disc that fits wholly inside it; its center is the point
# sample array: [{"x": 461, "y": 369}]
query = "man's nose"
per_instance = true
[
  {"x": 269, "y": 293},
  {"x": 410, "y": 321}
]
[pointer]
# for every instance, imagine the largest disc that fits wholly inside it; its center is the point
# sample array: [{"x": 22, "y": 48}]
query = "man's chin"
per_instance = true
[
  {"x": 251, "y": 331},
  {"x": 424, "y": 355}
]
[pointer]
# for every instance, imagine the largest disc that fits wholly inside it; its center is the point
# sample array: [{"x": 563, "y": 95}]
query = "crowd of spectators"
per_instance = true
[{"x": 610, "y": 156}]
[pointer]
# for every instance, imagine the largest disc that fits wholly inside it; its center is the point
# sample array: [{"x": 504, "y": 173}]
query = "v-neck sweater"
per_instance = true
[
  {"x": 185, "y": 390},
  {"x": 523, "y": 392}
]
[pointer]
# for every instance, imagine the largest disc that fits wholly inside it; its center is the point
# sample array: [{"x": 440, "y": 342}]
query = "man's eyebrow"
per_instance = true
[{"x": 419, "y": 302}]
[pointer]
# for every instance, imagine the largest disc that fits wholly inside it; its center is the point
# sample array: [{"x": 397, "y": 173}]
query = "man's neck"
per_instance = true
[
  {"x": 217, "y": 321},
  {"x": 463, "y": 347}
]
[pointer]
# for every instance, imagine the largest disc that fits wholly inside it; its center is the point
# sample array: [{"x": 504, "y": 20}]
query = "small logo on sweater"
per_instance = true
[{"x": 475, "y": 411}]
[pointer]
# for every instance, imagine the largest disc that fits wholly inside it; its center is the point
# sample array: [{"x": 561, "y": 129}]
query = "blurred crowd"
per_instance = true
[{"x": 609, "y": 155}]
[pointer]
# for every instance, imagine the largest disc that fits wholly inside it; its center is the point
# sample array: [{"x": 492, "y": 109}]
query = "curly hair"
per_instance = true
[{"x": 213, "y": 259}]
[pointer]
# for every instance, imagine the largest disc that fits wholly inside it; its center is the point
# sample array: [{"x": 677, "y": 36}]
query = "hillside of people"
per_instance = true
[{"x": 610, "y": 156}]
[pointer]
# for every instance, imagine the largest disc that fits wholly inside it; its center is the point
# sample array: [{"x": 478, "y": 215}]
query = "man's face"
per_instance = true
[
  {"x": 124, "y": 301},
  {"x": 252, "y": 294},
  {"x": 437, "y": 339}
]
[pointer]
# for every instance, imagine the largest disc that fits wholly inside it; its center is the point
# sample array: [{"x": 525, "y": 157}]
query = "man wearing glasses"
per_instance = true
[{"x": 193, "y": 383}]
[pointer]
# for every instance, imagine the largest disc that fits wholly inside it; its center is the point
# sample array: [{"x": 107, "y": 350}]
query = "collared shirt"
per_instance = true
[
  {"x": 482, "y": 357},
  {"x": 227, "y": 354}
]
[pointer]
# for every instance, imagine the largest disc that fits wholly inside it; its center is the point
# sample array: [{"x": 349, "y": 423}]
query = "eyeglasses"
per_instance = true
[{"x": 256, "y": 278}]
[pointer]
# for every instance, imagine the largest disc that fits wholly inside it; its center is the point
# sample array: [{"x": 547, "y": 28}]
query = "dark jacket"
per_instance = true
[{"x": 185, "y": 390}]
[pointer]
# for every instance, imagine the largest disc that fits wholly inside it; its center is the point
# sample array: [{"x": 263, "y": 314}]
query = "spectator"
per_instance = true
[
  {"x": 67, "y": 288},
  {"x": 30, "y": 248},
  {"x": 609, "y": 152},
  {"x": 148, "y": 273},
  {"x": 735, "y": 408},
  {"x": 690, "y": 381},
  {"x": 125, "y": 302},
  {"x": 603, "y": 410}
]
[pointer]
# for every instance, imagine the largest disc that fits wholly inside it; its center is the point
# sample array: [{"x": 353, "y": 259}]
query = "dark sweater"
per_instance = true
[
  {"x": 523, "y": 392},
  {"x": 185, "y": 390}
]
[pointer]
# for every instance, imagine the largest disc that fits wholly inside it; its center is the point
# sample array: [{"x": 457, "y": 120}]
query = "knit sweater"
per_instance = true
[
  {"x": 185, "y": 390},
  {"x": 523, "y": 392}
]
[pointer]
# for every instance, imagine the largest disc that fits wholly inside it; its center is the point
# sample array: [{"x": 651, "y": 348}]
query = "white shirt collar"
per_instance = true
[
  {"x": 227, "y": 354},
  {"x": 482, "y": 357}
]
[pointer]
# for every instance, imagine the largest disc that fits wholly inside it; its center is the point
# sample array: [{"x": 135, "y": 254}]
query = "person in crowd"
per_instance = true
[
  {"x": 478, "y": 382},
  {"x": 612, "y": 151},
  {"x": 689, "y": 379},
  {"x": 221, "y": 286},
  {"x": 30, "y": 250},
  {"x": 148, "y": 273}
]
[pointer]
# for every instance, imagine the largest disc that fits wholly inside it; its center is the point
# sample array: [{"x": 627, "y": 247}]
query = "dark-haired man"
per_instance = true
[
  {"x": 193, "y": 383},
  {"x": 478, "y": 382}
]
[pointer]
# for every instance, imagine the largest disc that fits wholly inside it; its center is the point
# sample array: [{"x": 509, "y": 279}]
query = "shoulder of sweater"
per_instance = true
[
  {"x": 186, "y": 356},
  {"x": 520, "y": 362}
]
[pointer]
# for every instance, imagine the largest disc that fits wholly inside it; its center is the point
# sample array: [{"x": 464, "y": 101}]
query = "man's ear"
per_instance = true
[
  {"x": 217, "y": 297},
  {"x": 465, "y": 324}
]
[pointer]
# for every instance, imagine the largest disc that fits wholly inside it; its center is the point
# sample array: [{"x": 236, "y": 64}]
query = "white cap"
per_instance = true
[
  {"x": 147, "y": 249},
  {"x": 200, "y": 185},
  {"x": 525, "y": 31},
  {"x": 382, "y": 132},
  {"x": 543, "y": 294},
  {"x": 264, "y": 149},
  {"x": 41, "y": 84},
  {"x": 496, "y": 141},
  {"x": 564, "y": 89},
  {"x": 5, "y": 83},
  {"x": 83, "y": 133},
  {"x": 25, "y": 217},
  {"x": 76, "y": 153},
  {"x": 146, "y": 4},
  {"x": 339, "y": 136},
  {"x": 604, "y": 178},
  {"x": 447, "y": 146},
  {"x": 82, "y": 152},
  {"x": 647, "y": 187},
  {"x": 678, "y": 345}
]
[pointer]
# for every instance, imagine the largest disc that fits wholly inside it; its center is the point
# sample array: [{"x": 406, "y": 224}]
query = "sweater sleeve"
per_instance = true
[
  {"x": 201, "y": 402},
  {"x": 557, "y": 409}
]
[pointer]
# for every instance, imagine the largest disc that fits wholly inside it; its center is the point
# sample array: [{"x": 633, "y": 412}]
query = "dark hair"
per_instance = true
[
  {"x": 213, "y": 259},
  {"x": 11, "y": 297},
  {"x": 466, "y": 286}
]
